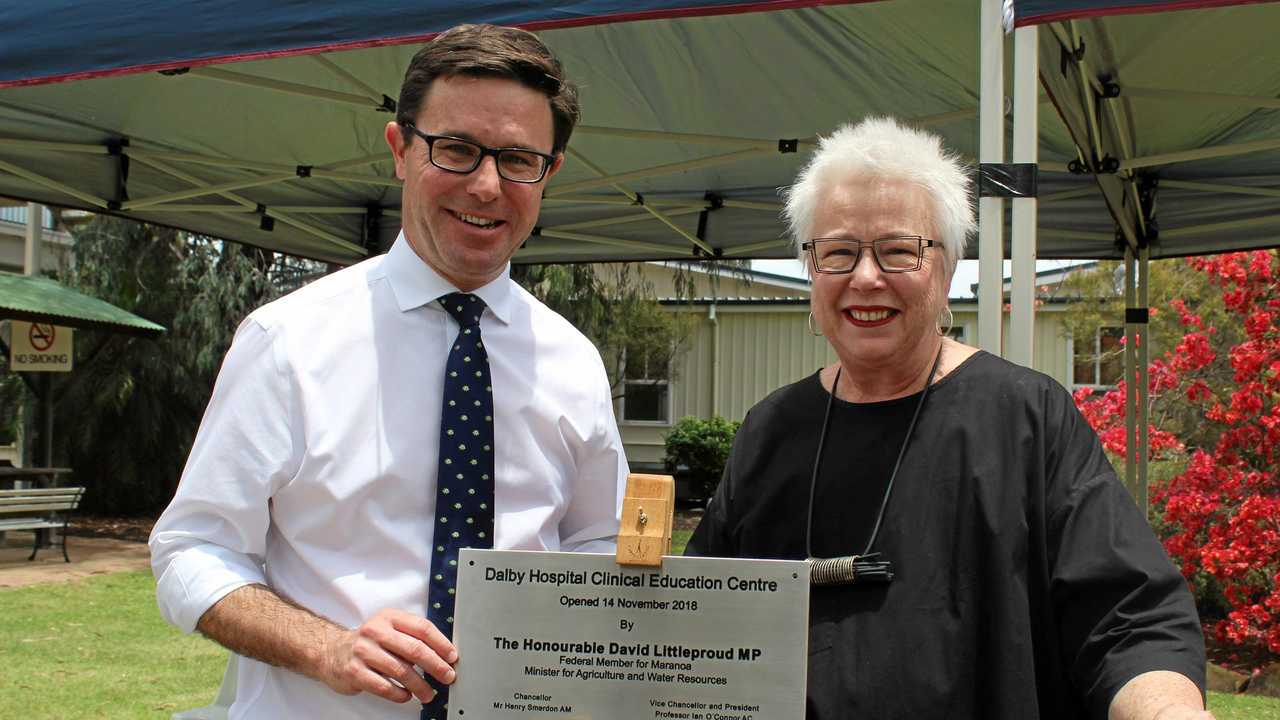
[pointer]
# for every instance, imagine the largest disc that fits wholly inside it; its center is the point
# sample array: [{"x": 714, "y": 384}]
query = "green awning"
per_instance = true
[{"x": 38, "y": 299}]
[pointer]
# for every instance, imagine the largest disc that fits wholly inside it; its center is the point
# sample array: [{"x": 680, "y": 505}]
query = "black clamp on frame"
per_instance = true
[
  {"x": 789, "y": 145},
  {"x": 266, "y": 223},
  {"x": 1008, "y": 180}
]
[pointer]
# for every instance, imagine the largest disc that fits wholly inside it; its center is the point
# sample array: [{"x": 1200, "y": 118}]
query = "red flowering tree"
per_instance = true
[{"x": 1220, "y": 516}]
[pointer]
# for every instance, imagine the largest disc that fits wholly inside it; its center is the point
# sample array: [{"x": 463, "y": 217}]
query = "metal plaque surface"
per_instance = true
[{"x": 575, "y": 636}]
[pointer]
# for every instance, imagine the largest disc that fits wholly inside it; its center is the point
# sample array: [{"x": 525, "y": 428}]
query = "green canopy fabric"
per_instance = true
[
  {"x": 272, "y": 134},
  {"x": 37, "y": 299}
]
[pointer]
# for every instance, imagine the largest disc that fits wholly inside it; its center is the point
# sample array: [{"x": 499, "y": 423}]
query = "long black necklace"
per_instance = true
[{"x": 866, "y": 567}]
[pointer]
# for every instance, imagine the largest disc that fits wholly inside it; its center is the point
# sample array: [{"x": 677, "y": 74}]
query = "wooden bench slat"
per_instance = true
[
  {"x": 36, "y": 507},
  {"x": 38, "y": 498},
  {"x": 73, "y": 498},
  {"x": 29, "y": 524},
  {"x": 65, "y": 497},
  {"x": 27, "y": 492}
]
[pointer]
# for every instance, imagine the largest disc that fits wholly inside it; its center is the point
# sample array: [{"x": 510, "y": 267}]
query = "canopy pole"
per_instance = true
[
  {"x": 1256, "y": 101},
  {"x": 52, "y": 184},
  {"x": 315, "y": 171},
  {"x": 629, "y": 202},
  {"x": 1206, "y": 153},
  {"x": 1130, "y": 388},
  {"x": 1069, "y": 194},
  {"x": 604, "y": 240},
  {"x": 753, "y": 205},
  {"x": 742, "y": 143},
  {"x": 33, "y": 240},
  {"x": 307, "y": 91},
  {"x": 991, "y": 150},
  {"x": 661, "y": 217},
  {"x": 1022, "y": 298},
  {"x": 763, "y": 245},
  {"x": 47, "y": 146},
  {"x": 621, "y": 220},
  {"x": 1270, "y": 219},
  {"x": 275, "y": 213},
  {"x": 1144, "y": 376},
  {"x": 656, "y": 170},
  {"x": 208, "y": 190},
  {"x": 1220, "y": 187}
]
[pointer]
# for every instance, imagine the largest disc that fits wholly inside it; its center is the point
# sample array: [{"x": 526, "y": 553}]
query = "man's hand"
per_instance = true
[
  {"x": 379, "y": 658},
  {"x": 256, "y": 622}
]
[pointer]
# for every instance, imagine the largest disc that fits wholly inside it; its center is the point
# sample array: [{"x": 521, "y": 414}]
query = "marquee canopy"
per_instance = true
[{"x": 263, "y": 122}]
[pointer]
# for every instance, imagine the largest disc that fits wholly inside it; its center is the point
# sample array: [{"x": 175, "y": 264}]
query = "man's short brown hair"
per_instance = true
[{"x": 490, "y": 51}]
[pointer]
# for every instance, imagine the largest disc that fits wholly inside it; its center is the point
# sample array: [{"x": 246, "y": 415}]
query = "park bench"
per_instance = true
[{"x": 39, "y": 509}]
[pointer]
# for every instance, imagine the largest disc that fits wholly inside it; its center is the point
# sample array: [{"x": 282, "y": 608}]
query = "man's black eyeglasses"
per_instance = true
[
  {"x": 837, "y": 256},
  {"x": 457, "y": 155}
]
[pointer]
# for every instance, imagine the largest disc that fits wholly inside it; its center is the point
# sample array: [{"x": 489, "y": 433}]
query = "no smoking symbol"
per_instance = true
[{"x": 41, "y": 336}]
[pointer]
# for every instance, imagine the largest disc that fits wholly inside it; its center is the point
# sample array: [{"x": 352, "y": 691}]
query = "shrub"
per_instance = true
[
  {"x": 702, "y": 448},
  {"x": 1220, "y": 515}
]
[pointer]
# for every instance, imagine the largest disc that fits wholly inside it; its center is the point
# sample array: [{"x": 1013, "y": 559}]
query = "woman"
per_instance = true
[{"x": 1001, "y": 571}]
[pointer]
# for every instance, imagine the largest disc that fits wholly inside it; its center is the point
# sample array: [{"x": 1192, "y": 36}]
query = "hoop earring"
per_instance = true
[
  {"x": 951, "y": 321},
  {"x": 812, "y": 331}
]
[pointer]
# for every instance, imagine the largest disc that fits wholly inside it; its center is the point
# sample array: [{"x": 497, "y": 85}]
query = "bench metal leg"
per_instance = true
[
  {"x": 35, "y": 548},
  {"x": 64, "y": 546}
]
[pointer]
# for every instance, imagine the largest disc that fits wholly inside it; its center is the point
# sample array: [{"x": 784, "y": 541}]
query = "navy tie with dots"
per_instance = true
[{"x": 464, "y": 483}]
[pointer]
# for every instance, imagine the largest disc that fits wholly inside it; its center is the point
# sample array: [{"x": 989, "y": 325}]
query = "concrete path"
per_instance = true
[{"x": 89, "y": 556}]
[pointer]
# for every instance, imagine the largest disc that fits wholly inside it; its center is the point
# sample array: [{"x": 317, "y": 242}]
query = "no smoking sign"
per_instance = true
[
  {"x": 40, "y": 347},
  {"x": 42, "y": 336}
]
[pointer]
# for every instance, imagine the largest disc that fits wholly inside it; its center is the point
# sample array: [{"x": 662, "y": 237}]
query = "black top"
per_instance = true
[{"x": 1027, "y": 584}]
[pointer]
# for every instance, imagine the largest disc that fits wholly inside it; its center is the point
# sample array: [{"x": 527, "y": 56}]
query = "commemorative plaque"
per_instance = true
[{"x": 574, "y": 636}]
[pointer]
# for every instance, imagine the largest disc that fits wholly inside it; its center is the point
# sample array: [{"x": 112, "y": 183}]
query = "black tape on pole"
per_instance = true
[
  {"x": 1136, "y": 316},
  {"x": 1008, "y": 180}
]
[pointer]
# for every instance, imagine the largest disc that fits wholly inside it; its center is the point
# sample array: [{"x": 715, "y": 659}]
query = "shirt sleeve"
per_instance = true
[
  {"x": 590, "y": 523},
  {"x": 212, "y": 537},
  {"x": 1122, "y": 607}
]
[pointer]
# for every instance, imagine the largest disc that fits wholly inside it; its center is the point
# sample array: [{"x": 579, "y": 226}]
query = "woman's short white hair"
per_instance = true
[{"x": 882, "y": 148}]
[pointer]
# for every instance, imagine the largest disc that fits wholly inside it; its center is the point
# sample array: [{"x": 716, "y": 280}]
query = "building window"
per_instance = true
[
  {"x": 646, "y": 385},
  {"x": 1098, "y": 360},
  {"x": 18, "y": 214}
]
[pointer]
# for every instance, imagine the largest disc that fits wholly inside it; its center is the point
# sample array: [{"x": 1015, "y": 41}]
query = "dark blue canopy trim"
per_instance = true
[{"x": 72, "y": 40}]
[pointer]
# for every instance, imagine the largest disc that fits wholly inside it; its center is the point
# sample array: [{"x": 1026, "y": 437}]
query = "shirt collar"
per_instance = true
[{"x": 415, "y": 283}]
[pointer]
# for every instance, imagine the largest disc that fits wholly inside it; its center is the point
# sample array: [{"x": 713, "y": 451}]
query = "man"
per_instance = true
[{"x": 366, "y": 427}]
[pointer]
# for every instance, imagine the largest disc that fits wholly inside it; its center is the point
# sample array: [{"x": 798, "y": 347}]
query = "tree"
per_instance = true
[
  {"x": 1097, "y": 297},
  {"x": 126, "y": 416},
  {"x": 1220, "y": 515},
  {"x": 615, "y": 307}
]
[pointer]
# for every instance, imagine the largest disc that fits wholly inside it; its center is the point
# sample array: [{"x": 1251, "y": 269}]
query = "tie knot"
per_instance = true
[{"x": 464, "y": 307}]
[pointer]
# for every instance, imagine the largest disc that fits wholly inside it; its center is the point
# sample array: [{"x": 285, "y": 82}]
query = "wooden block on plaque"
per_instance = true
[{"x": 648, "y": 511}]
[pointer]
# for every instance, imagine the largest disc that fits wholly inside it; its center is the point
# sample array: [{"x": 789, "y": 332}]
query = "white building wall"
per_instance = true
[{"x": 763, "y": 346}]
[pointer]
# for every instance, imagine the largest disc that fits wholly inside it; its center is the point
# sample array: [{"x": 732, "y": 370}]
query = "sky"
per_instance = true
[{"x": 966, "y": 271}]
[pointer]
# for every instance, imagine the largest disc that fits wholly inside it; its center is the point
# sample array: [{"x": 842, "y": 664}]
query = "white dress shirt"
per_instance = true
[{"x": 314, "y": 469}]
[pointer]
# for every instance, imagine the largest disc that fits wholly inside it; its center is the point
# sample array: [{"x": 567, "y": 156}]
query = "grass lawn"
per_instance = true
[
  {"x": 98, "y": 649},
  {"x": 1243, "y": 707},
  {"x": 679, "y": 538}
]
